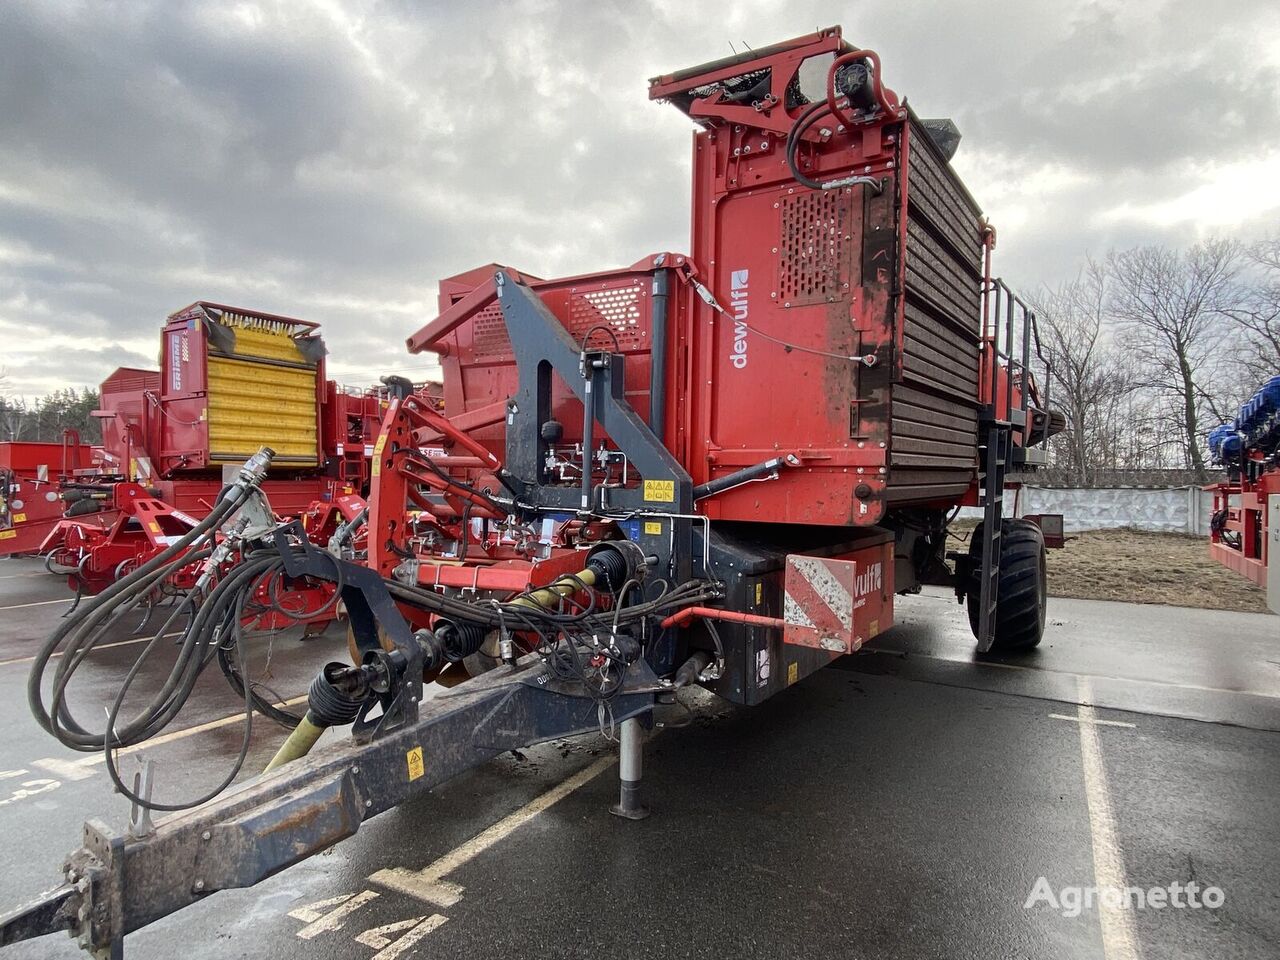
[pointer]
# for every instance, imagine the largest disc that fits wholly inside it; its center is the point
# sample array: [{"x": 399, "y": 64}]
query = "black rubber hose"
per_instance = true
[
  {"x": 82, "y": 636},
  {"x": 225, "y": 606},
  {"x": 62, "y": 721},
  {"x": 114, "y": 774},
  {"x": 803, "y": 123}
]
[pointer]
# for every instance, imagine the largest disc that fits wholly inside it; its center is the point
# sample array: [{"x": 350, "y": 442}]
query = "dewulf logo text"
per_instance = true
[
  {"x": 868, "y": 581},
  {"x": 739, "y": 299}
]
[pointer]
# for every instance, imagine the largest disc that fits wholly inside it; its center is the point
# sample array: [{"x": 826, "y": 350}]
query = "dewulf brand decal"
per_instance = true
[
  {"x": 867, "y": 581},
  {"x": 741, "y": 308}
]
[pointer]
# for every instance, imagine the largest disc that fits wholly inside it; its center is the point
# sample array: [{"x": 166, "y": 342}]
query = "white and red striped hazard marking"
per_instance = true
[{"x": 818, "y": 599}]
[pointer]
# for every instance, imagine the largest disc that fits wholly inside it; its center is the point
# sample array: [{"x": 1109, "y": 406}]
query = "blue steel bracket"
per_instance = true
[{"x": 541, "y": 347}]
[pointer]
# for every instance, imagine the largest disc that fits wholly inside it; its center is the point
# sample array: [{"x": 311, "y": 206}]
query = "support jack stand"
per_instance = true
[{"x": 630, "y": 754}]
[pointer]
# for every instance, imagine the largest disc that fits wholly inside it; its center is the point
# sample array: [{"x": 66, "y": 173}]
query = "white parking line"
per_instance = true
[
  {"x": 1094, "y": 720},
  {"x": 911, "y": 655},
  {"x": 66, "y": 769},
  {"x": 93, "y": 758},
  {"x": 38, "y": 603},
  {"x": 418, "y": 928},
  {"x": 428, "y": 884},
  {"x": 1119, "y": 942},
  {"x": 101, "y": 646},
  {"x": 334, "y": 919}
]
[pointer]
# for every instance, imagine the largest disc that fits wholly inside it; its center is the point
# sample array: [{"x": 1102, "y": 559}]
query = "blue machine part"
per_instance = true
[
  {"x": 1257, "y": 424},
  {"x": 1218, "y": 437}
]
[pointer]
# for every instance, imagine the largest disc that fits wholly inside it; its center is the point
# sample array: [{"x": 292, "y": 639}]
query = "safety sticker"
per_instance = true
[
  {"x": 19, "y": 518},
  {"x": 8, "y": 534},
  {"x": 376, "y": 470},
  {"x": 653, "y": 529},
  {"x": 662, "y": 491},
  {"x": 762, "y": 667},
  {"x": 793, "y": 673},
  {"x": 416, "y": 767},
  {"x": 154, "y": 527}
]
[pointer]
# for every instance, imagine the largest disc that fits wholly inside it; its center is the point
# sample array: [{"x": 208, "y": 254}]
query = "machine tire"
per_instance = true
[{"x": 1023, "y": 590}]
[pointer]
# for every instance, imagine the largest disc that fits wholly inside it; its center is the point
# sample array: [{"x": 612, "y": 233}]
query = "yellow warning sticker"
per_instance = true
[
  {"x": 416, "y": 766},
  {"x": 875, "y": 628},
  {"x": 376, "y": 469},
  {"x": 793, "y": 673},
  {"x": 19, "y": 518},
  {"x": 654, "y": 529},
  {"x": 662, "y": 491},
  {"x": 8, "y": 534},
  {"x": 154, "y": 527},
  {"x": 759, "y": 594}
]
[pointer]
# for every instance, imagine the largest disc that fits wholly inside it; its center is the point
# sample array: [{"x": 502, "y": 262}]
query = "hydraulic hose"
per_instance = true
[{"x": 82, "y": 632}]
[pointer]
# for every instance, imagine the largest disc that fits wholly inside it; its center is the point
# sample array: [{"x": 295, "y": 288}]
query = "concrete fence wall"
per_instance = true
[{"x": 1161, "y": 509}]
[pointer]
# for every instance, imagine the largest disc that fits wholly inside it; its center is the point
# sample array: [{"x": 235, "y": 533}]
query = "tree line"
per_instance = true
[
  {"x": 1152, "y": 347},
  {"x": 46, "y": 417}
]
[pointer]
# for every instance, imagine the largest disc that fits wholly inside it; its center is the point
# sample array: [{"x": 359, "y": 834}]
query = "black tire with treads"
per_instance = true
[{"x": 1022, "y": 595}]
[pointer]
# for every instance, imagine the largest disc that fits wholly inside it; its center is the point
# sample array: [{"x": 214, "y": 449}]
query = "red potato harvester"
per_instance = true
[
  {"x": 716, "y": 467},
  {"x": 227, "y": 375}
]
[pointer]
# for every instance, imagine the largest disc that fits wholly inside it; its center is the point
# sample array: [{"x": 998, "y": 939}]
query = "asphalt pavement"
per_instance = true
[{"x": 910, "y": 801}]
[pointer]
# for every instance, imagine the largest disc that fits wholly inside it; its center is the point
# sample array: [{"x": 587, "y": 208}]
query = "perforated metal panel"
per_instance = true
[
  {"x": 812, "y": 264},
  {"x": 489, "y": 335},
  {"x": 617, "y": 309},
  {"x": 620, "y": 309}
]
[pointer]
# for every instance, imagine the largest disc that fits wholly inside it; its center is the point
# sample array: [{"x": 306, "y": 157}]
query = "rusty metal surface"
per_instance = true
[{"x": 52, "y": 910}]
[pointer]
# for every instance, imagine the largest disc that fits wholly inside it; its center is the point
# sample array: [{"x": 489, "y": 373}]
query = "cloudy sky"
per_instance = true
[{"x": 331, "y": 159}]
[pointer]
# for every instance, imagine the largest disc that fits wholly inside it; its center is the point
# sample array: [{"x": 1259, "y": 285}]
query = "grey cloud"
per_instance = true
[{"x": 153, "y": 153}]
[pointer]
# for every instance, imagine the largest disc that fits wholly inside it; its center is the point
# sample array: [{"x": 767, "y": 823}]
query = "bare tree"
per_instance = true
[
  {"x": 1258, "y": 312},
  {"x": 1170, "y": 305},
  {"x": 1090, "y": 375}
]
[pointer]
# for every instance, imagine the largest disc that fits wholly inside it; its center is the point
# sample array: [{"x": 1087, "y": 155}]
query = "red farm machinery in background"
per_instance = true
[
  {"x": 1244, "y": 528},
  {"x": 711, "y": 468},
  {"x": 31, "y": 475},
  {"x": 228, "y": 375}
]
